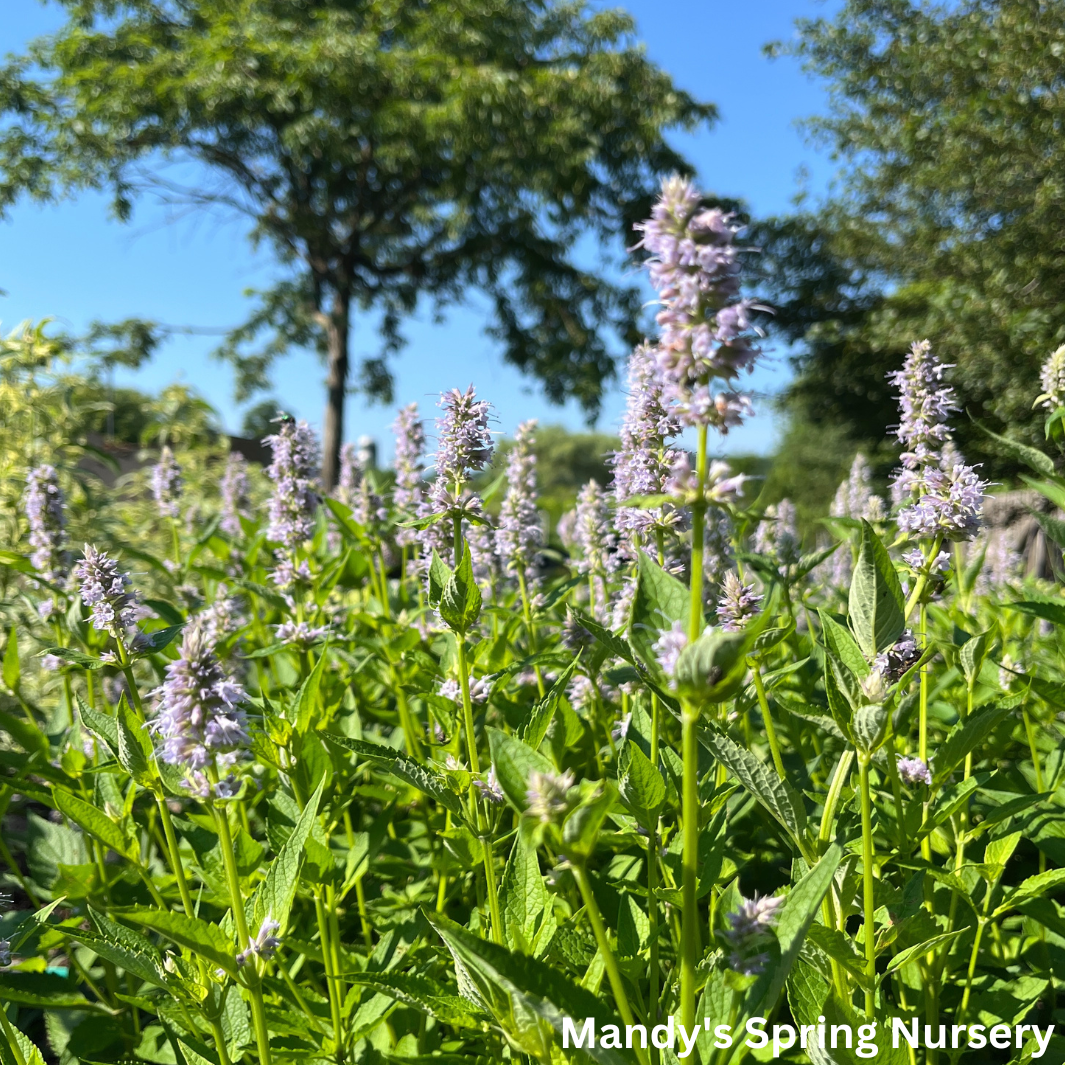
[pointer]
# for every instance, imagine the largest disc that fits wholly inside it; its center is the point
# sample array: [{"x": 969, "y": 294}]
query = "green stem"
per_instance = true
[
  {"x": 12, "y": 1041},
  {"x": 770, "y": 728},
  {"x": 175, "y": 854},
  {"x": 220, "y": 1042},
  {"x": 922, "y": 580},
  {"x": 653, "y": 973},
  {"x": 599, "y": 930},
  {"x": 330, "y": 975},
  {"x": 690, "y": 946},
  {"x": 867, "y": 881}
]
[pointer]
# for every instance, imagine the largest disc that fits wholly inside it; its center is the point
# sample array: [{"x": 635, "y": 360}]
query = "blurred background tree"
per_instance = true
[
  {"x": 384, "y": 149},
  {"x": 948, "y": 221}
]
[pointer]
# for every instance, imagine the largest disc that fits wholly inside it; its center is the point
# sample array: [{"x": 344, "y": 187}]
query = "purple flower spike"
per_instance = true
[
  {"x": 913, "y": 771},
  {"x": 409, "y": 493},
  {"x": 46, "y": 513},
  {"x": 294, "y": 471},
  {"x": 738, "y": 603},
  {"x": 115, "y": 609},
  {"x": 199, "y": 718},
  {"x": 167, "y": 484},
  {"x": 234, "y": 491},
  {"x": 520, "y": 533}
]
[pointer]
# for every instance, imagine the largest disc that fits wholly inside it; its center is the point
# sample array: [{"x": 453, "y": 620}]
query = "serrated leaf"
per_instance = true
[
  {"x": 965, "y": 737},
  {"x": 424, "y": 994},
  {"x": 187, "y": 931},
  {"x": 843, "y": 645},
  {"x": 660, "y": 600},
  {"x": 307, "y": 698},
  {"x": 776, "y": 795},
  {"x": 460, "y": 601},
  {"x": 134, "y": 747},
  {"x": 525, "y": 904},
  {"x": 538, "y": 720},
  {"x": 399, "y": 765},
  {"x": 1033, "y": 887},
  {"x": 101, "y": 725},
  {"x": 1030, "y": 456},
  {"x": 920, "y": 949},
  {"x": 972, "y": 654},
  {"x": 1048, "y": 610},
  {"x": 528, "y": 999},
  {"x": 513, "y": 762},
  {"x": 439, "y": 575},
  {"x": 68, "y": 654},
  {"x": 93, "y": 821},
  {"x": 613, "y": 643},
  {"x": 640, "y": 783},
  {"x": 876, "y": 606},
  {"x": 274, "y": 896}
]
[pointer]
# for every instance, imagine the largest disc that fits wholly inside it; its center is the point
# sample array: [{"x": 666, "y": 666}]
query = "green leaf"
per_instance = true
[
  {"x": 869, "y": 726},
  {"x": 135, "y": 753},
  {"x": 1033, "y": 887},
  {"x": 460, "y": 603},
  {"x": 877, "y": 605},
  {"x": 439, "y": 575},
  {"x": 964, "y": 737},
  {"x": 580, "y": 833},
  {"x": 776, "y": 795},
  {"x": 307, "y": 699},
  {"x": 513, "y": 762},
  {"x": 425, "y": 995},
  {"x": 842, "y": 644},
  {"x": 526, "y": 906},
  {"x": 126, "y": 949},
  {"x": 274, "y": 896},
  {"x": 640, "y": 783},
  {"x": 538, "y": 720},
  {"x": 972, "y": 654},
  {"x": 920, "y": 949},
  {"x": 198, "y": 936},
  {"x": 1030, "y": 456},
  {"x": 660, "y": 600},
  {"x": 613, "y": 643},
  {"x": 399, "y": 765},
  {"x": 30, "y": 925},
  {"x": 68, "y": 654},
  {"x": 527, "y": 998},
  {"x": 12, "y": 670},
  {"x": 1048, "y": 610},
  {"x": 712, "y": 668},
  {"x": 95, "y": 822}
]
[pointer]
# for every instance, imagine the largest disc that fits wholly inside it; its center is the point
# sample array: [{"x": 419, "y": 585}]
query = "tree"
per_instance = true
[
  {"x": 385, "y": 149},
  {"x": 950, "y": 212}
]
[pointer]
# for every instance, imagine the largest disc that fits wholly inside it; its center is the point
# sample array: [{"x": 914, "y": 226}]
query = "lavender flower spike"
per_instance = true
[
  {"x": 115, "y": 609},
  {"x": 167, "y": 484},
  {"x": 45, "y": 511},
  {"x": 199, "y": 718},
  {"x": 705, "y": 327},
  {"x": 1052, "y": 379},
  {"x": 738, "y": 603},
  {"x": 294, "y": 471},
  {"x": 349, "y": 476},
  {"x": 520, "y": 533},
  {"x": 409, "y": 492},
  {"x": 234, "y": 492}
]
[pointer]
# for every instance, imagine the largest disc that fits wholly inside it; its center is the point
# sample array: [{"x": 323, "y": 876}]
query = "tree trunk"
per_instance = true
[{"x": 336, "y": 388}]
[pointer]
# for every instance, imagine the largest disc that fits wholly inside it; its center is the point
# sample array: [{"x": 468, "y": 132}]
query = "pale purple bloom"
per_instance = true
[
  {"x": 752, "y": 965},
  {"x": 593, "y": 532},
  {"x": 620, "y": 731},
  {"x": 483, "y": 555},
  {"x": 490, "y": 788},
  {"x": 520, "y": 532},
  {"x": 854, "y": 498},
  {"x": 668, "y": 646},
  {"x": 621, "y": 612},
  {"x": 300, "y": 633},
  {"x": 944, "y": 496},
  {"x": 234, "y": 492},
  {"x": 738, "y": 603},
  {"x": 105, "y": 588},
  {"x": 409, "y": 492},
  {"x": 45, "y": 511},
  {"x": 464, "y": 442},
  {"x": 1002, "y": 564},
  {"x": 349, "y": 475},
  {"x": 777, "y": 536},
  {"x": 1052, "y": 378},
  {"x": 222, "y": 617},
  {"x": 722, "y": 486},
  {"x": 581, "y": 693},
  {"x": 914, "y": 558},
  {"x": 264, "y": 945},
  {"x": 547, "y": 795},
  {"x": 480, "y": 689},
  {"x": 914, "y": 771},
  {"x": 898, "y": 658},
  {"x": 755, "y": 917},
  {"x": 51, "y": 663},
  {"x": 167, "y": 484},
  {"x": 199, "y": 715},
  {"x": 294, "y": 471},
  {"x": 705, "y": 328},
  {"x": 287, "y": 573}
]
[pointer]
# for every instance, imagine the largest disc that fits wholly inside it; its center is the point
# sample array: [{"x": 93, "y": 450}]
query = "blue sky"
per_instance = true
[{"x": 73, "y": 263}]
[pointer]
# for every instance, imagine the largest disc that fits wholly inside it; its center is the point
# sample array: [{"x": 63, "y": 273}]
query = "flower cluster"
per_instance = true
[
  {"x": 914, "y": 771},
  {"x": 264, "y": 945},
  {"x": 942, "y": 495},
  {"x": 705, "y": 328},
  {"x": 738, "y": 603},
  {"x": 45, "y": 509},
  {"x": 300, "y": 633},
  {"x": 234, "y": 493},
  {"x": 855, "y": 497},
  {"x": 1052, "y": 379},
  {"x": 349, "y": 475},
  {"x": 464, "y": 441},
  {"x": 105, "y": 588},
  {"x": 749, "y": 928},
  {"x": 547, "y": 795},
  {"x": 167, "y": 484},
  {"x": 520, "y": 532},
  {"x": 777, "y": 535},
  {"x": 294, "y": 471},
  {"x": 669, "y": 645},
  {"x": 199, "y": 718},
  {"x": 897, "y": 659},
  {"x": 409, "y": 492}
]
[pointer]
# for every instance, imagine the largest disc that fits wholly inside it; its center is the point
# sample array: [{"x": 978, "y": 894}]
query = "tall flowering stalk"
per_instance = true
[
  {"x": 294, "y": 503},
  {"x": 350, "y": 475},
  {"x": 520, "y": 533},
  {"x": 597, "y": 543},
  {"x": 408, "y": 496},
  {"x": 234, "y": 493},
  {"x": 116, "y": 608},
  {"x": 168, "y": 484},
  {"x": 45, "y": 508},
  {"x": 705, "y": 342}
]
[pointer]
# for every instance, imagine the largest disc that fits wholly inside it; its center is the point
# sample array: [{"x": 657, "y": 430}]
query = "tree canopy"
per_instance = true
[
  {"x": 385, "y": 150},
  {"x": 949, "y": 218}
]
